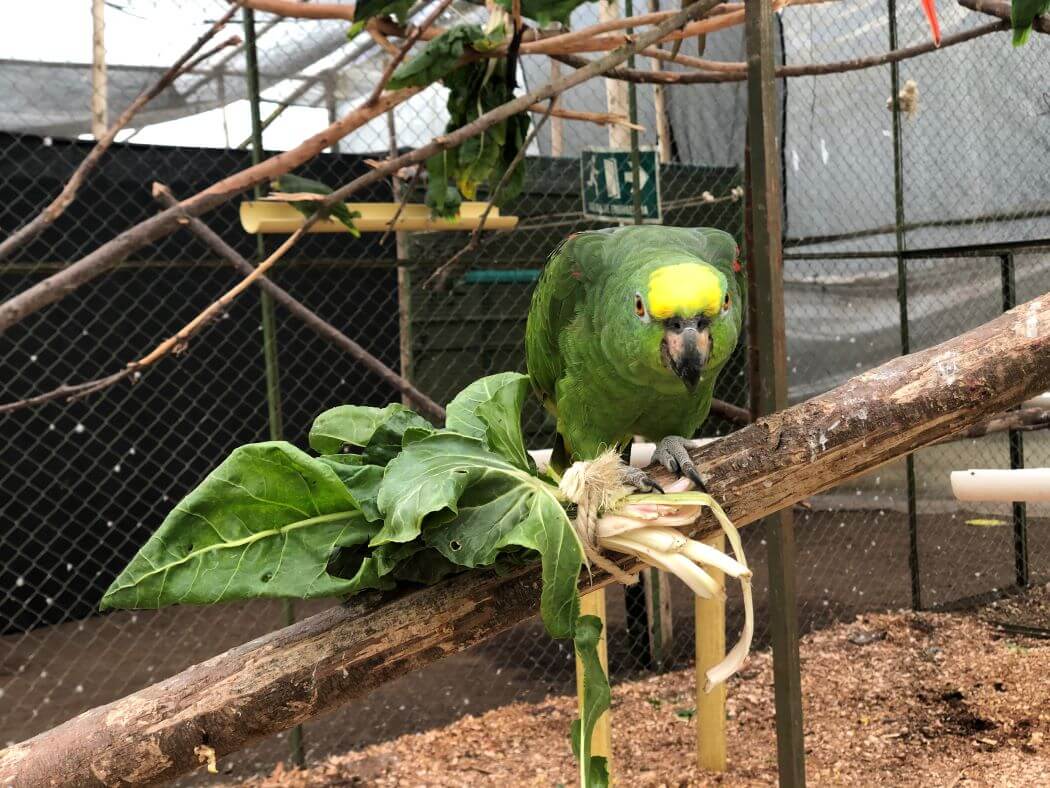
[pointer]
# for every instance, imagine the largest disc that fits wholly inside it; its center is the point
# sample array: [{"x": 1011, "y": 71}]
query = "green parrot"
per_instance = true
[
  {"x": 1023, "y": 14},
  {"x": 627, "y": 332},
  {"x": 291, "y": 184}
]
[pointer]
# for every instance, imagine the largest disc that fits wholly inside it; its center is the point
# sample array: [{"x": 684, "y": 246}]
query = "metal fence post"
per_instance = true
[
  {"x": 1020, "y": 511},
  {"x": 902, "y": 300},
  {"x": 769, "y": 386},
  {"x": 269, "y": 326}
]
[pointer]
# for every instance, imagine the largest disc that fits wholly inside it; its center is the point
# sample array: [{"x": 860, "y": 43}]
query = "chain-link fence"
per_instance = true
[{"x": 85, "y": 483}]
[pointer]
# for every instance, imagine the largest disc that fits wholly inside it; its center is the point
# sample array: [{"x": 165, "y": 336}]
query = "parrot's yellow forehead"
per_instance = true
[{"x": 684, "y": 289}]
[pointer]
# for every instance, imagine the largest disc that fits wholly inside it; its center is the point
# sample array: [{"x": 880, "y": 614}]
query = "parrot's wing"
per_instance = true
[
  {"x": 555, "y": 303},
  {"x": 294, "y": 183}
]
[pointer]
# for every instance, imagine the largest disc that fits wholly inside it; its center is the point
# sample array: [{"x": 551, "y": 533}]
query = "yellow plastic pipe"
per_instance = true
[{"x": 269, "y": 216}]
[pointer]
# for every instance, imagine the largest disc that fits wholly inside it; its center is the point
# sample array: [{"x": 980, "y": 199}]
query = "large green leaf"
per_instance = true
[
  {"x": 594, "y": 770},
  {"x": 439, "y": 58},
  {"x": 357, "y": 425},
  {"x": 360, "y": 479},
  {"x": 490, "y": 409},
  {"x": 468, "y": 503},
  {"x": 263, "y": 524}
]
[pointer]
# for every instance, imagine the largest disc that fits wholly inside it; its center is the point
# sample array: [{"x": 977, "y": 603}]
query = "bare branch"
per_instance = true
[
  {"x": 797, "y": 70},
  {"x": 297, "y": 308},
  {"x": 57, "y": 207},
  {"x": 297, "y": 10}
]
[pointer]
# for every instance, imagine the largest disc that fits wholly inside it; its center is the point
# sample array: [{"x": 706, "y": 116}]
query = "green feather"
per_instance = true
[
  {"x": 594, "y": 364},
  {"x": 291, "y": 184},
  {"x": 1022, "y": 17}
]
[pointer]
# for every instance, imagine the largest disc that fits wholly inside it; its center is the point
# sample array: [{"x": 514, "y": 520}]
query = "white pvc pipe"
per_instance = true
[{"x": 1023, "y": 484}]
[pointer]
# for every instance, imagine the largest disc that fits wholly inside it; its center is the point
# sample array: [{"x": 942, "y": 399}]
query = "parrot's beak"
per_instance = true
[{"x": 686, "y": 347}]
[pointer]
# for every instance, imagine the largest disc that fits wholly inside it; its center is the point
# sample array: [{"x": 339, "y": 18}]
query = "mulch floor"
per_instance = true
[{"x": 900, "y": 699}]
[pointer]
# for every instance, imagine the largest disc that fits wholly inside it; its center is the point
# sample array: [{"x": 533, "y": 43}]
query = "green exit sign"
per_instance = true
[{"x": 607, "y": 186}]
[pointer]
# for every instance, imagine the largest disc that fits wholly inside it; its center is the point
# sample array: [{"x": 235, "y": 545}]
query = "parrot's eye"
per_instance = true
[
  {"x": 639, "y": 307},
  {"x": 726, "y": 303}
]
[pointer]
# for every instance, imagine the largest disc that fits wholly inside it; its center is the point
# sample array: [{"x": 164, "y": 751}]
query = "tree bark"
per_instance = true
[{"x": 296, "y": 673}]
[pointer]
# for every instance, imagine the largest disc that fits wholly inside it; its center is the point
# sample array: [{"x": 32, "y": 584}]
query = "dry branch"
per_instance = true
[
  {"x": 296, "y": 10},
  {"x": 57, "y": 207},
  {"x": 294, "y": 674},
  {"x": 67, "y": 280},
  {"x": 308, "y": 316},
  {"x": 797, "y": 70},
  {"x": 1001, "y": 9}
]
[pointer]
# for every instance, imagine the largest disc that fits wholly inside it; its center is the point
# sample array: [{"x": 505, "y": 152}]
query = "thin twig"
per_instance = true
[
  {"x": 67, "y": 392},
  {"x": 410, "y": 42},
  {"x": 163, "y": 194},
  {"x": 68, "y": 194},
  {"x": 179, "y": 339},
  {"x": 798, "y": 70},
  {"x": 296, "y": 10},
  {"x": 599, "y": 118},
  {"x": 406, "y": 192},
  {"x": 441, "y": 275}
]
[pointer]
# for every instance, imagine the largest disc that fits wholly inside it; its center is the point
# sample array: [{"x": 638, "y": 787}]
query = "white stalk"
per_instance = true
[
  {"x": 670, "y": 541},
  {"x": 699, "y": 581},
  {"x": 631, "y": 531}
]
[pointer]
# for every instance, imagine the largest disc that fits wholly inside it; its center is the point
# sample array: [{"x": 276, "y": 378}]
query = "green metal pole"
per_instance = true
[
  {"x": 767, "y": 288},
  {"x": 269, "y": 325},
  {"x": 1006, "y": 263},
  {"x": 902, "y": 301}
]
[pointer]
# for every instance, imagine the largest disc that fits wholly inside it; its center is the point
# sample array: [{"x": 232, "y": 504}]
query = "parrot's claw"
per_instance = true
[
  {"x": 640, "y": 480},
  {"x": 672, "y": 453}
]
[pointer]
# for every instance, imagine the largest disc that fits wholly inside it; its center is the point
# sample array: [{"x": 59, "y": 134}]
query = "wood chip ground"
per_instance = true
[{"x": 895, "y": 699}]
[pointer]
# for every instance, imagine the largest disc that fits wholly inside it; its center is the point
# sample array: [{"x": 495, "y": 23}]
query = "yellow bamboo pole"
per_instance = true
[
  {"x": 710, "y": 649},
  {"x": 593, "y": 604}
]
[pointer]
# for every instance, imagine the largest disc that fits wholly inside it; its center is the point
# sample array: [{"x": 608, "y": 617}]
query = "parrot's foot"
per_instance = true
[
  {"x": 672, "y": 453},
  {"x": 640, "y": 480}
]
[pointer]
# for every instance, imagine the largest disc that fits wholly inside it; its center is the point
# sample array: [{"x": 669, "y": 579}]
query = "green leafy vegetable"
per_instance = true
[
  {"x": 358, "y": 425},
  {"x": 594, "y": 770},
  {"x": 482, "y": 504},
  {"x": 411, "y": 504},
  {"x": 438, "y": 59},
  {"x": 262, "y": 524},
  {"x": 490, "y": 409},
  {"x": 474, "y": 89}
]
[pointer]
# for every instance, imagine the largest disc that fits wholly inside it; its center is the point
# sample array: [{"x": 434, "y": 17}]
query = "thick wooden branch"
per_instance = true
[{"x": 296, "y": 673}]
